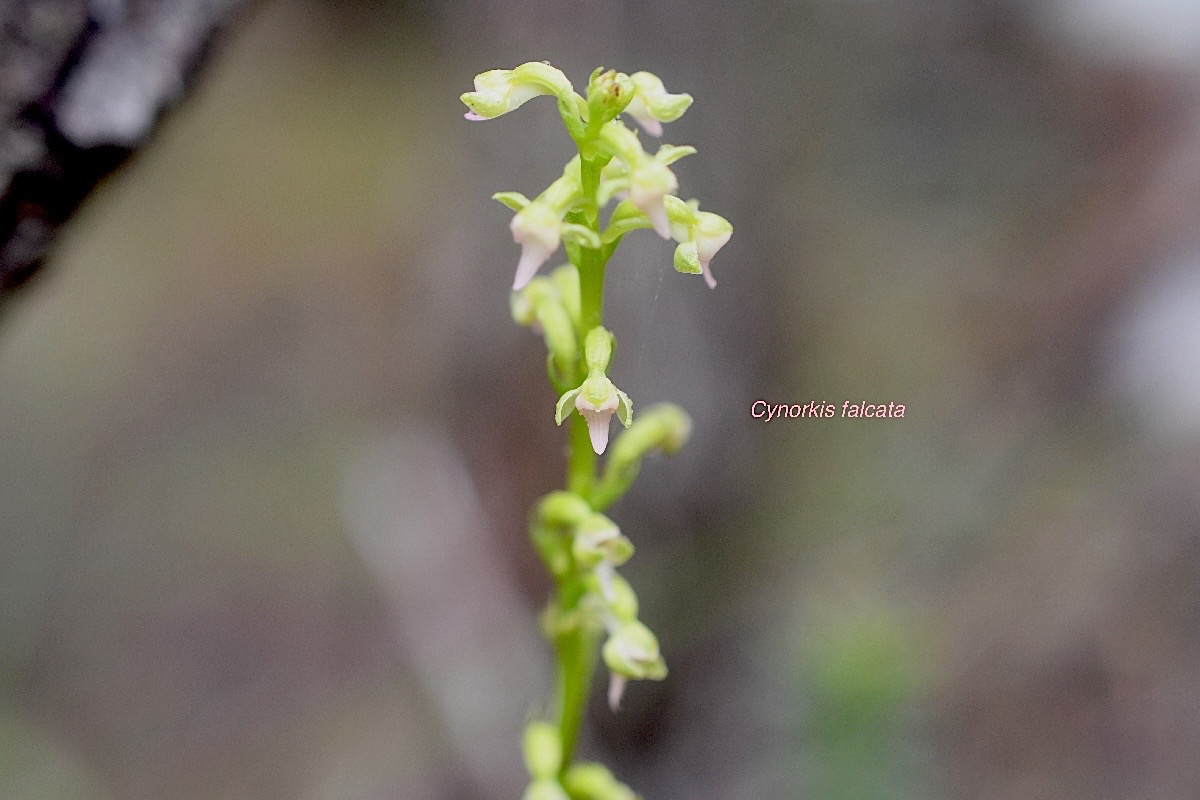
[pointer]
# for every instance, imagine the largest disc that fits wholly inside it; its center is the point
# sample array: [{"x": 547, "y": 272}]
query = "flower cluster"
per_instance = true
[
  {"x": 648, "y": 182},
  {"x": 594, "y": 611}
]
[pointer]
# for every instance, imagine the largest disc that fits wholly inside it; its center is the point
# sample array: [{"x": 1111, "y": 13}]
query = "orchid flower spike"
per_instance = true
[
  {"x": 652, "y": 105},
  {"x": 700, "y": 235},
  {"x": 597, "y": 398},
  {"x": 499, "y": 91}
]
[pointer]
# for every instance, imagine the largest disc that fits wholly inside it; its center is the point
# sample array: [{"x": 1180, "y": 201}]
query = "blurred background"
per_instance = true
[{"x": 262, "y": 537}]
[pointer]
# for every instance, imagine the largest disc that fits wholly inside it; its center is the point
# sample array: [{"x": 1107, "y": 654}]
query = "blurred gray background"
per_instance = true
[{"x": 262, "y": 520}]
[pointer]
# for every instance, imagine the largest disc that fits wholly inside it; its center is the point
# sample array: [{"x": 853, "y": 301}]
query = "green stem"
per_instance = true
[
  {"x": 577, "y": 648},
  {"x": 576, "y": 659},
  {"x": 581, "y": 460}
]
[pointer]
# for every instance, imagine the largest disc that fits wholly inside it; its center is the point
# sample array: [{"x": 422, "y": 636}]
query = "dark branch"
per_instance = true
[{"x": 83, "y": 84}]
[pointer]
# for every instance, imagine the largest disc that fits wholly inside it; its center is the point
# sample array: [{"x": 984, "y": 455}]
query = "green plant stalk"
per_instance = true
[
  {"x": 579, "y": 545},
  {"x": 578, "y": 647}
]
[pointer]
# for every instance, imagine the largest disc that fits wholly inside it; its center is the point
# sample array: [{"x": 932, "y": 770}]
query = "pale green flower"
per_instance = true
[
  {"x": 499, "y": 91},
  {"x": 653, "y": 105}
]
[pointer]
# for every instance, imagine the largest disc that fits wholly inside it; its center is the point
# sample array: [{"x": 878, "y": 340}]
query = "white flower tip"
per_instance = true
[
  {"x": 708, "y": 278},
  {"x": 532, "y": 258},
  {"x": 598, "y": 431},
  {"x": 650, "y": 125},
  {"x": 471, "y": 115},
  {"x": 616, "y": 689}
]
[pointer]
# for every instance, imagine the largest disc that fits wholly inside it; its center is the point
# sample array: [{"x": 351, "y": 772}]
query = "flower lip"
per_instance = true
[{"x": 538, "y": 230}]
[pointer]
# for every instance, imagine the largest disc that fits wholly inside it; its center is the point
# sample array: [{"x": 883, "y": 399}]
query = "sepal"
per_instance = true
[{"x": 514, "y": 200}]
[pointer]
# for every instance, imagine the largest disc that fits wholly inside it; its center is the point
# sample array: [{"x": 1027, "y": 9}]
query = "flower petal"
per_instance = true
[
  {"x": 616, "y": 689},
  {"x": 598, "y": 428},
  {"x": 533, "y": 255}
]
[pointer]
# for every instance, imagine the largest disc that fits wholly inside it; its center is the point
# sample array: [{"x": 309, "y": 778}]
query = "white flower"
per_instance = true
[
  {"x": 649, "y": 183},
  {"x": 596, "y": 400},
  {"x": 711, "y": 234},
  {"x": 538, "y": 229}
]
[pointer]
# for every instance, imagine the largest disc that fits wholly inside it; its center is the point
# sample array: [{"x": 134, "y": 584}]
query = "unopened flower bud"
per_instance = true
[
  {"x": 598, "y": 348},
  {"x": 563, "y": 509},
  {"x": 546, "y": 789},
  {"x": 608, "y": 95},
  {"x": 661, "y": 427},
  {"x": 543, "y": 749},
  {"x": 593, "y": 781}
]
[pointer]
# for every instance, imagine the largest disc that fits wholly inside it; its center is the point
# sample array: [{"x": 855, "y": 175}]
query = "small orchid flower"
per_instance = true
[
  {"x": 649, "y": 183},
  {"x": 499, "y": 91},
  {"x": 598, "y": 541},
  {"x": 700, "y": 235},
  {"x": 650, "y": 179},
  {"x": 596, "y": 399},
  {"x": 539, "y": 225},
  {"x": 538, "y": 229},
  {"x": 653, "y": 105},
  {"x": 631, "y": 652}
]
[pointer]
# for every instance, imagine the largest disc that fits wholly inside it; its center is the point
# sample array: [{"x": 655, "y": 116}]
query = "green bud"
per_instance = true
[
  {"x": 543, "y": 749},
  {"x": 598, "y": 348},
  {"x": 661, "y": 427},
  {"x": 608, "y": 95},
  {"x": 540, "y": 306},
  {"x": 593, "y": 781},
  {"x": 563, "y": 509},
  {"x": 597, "y": 540},
  {"x": 566, "y": 279},
  {"x": 632, "y": 652},
  {"x": 546, "y": 789}
]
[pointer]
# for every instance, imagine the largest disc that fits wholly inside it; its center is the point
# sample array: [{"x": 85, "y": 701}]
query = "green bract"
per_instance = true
[{"x": 580, "y": 546}]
